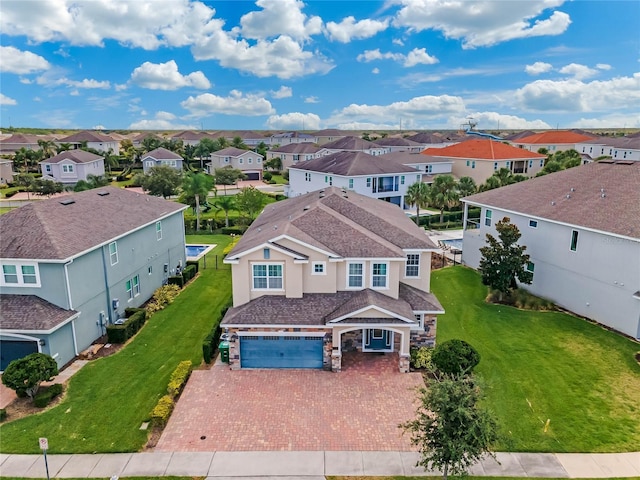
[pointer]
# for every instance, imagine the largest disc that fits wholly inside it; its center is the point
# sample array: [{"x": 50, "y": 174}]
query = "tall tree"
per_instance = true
[
  {"x": 162, "y": 181},
  {"x": 227, "y": 176},
  {"x": 262, "y": 149},
  {"x": 237, "y": 142},
  {"x": 503, "y": 260},
  {"x": 42, "y": 186},
  {"x": 63, "y": 147},
  {"x": 150, "y": 143},
  {"x": 205, "y": 147},
  {"x": 418, "y": 195},
  {"x": 443, "y": 193},
  {"x": 249, "y": 202},
  {"x": 195, "y": 189},
  {"x": 466, "y": 186},
  {"x": 452, "y": 430},
  {"x": 48, "y": 148},
  {"x": 274, "y": 163},
  {"x": 225, "y": 204}
]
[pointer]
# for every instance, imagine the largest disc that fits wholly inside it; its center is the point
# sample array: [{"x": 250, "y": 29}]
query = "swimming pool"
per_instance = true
[
  {"x": 196, "y": 252},
  {"x": 453, "y": 243}
]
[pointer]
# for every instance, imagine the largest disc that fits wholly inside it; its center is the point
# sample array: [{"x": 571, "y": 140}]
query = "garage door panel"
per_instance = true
[
  {"x": 11, "y": 350},
  {"x": 281, "y": 352}
]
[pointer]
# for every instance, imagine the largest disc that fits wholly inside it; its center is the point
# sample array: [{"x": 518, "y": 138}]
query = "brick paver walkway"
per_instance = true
[{"x": 357, "y": 409}]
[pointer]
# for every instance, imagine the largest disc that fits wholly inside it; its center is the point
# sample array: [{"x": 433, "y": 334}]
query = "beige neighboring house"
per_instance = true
[
  {"x": 329, "y": 135},
  {"x": 6, "y": 171},
  {"x": 293, "y": 153},
  {"x": 71, "y": 166},
  {"x": 355, "y": 144},
  {"x": 478, "y": 159},
  {"x": 328, "y": 272},
  {"x": 248, "y": 161},
  {"x": 95, "y": 140},
  {"x": 15, "y": 142},
  {"x": 553, "y": 140},
  {"x": 161, "y": 156},
  {"x": 399, "y": 144}
]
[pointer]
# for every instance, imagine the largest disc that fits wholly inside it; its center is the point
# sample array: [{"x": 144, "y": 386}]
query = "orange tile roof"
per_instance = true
[
  {"x": 554, "y": 137},
  {"x": 482, "y": 150}
]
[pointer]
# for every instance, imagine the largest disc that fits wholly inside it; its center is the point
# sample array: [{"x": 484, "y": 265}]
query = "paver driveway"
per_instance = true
[{"x": 357, "y": 409}]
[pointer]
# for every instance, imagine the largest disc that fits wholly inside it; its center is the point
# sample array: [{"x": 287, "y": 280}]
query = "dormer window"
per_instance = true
[{"x": 266, "y": 253}]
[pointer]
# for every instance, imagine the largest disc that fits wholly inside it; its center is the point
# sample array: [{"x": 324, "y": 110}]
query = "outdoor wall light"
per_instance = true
[{"x": 42, "y": 342}]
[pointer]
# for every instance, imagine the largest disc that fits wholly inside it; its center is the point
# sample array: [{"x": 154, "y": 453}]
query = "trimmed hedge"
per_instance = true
[
  {"x": 176, "y": 280},
  {"x": 131, "y": 326},
  {"x": 455, "y": 357},
  {"x": 210, "y": 342},
  {"x": 179, "y": 378},
  {"x": 43, "y": 398},
  {"x": 162, "y": 411},
  {"x": 195, "y": 264},
  {"x": 189, "y": 272}
]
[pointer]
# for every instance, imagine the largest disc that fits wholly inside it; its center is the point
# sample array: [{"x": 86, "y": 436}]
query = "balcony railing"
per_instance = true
[{"x": 472, "y": 224}]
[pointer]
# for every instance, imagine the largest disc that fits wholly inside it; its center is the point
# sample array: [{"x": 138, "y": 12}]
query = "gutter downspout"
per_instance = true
[
  {"x": 68, "y": 286},
  {"x": 73, "y": 334},
  {"x": 106, "y": 286}
]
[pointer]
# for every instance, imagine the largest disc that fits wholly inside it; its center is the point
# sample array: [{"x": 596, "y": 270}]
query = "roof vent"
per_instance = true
[
  {"x": 67, "y": 201},
  {"x": 602, "y": 190},
  {"x": 306, "y": 207},
  {"x": 568, "y": 196},
  {"x": 603, "y": 195},
  {"x": 102, "y": 193},
  {"x": 552, "y": 202},
  {"x": 573, "y": 189}
]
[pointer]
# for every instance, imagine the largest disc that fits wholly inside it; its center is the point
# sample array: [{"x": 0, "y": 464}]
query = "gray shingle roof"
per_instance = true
[
  {"x": 350, "y": 143},
  {"x": 86, "y": 136},
  {"x": 550, "y": 197},
  {"x": 231, "y": 152},
  {"x": 76, "y": 156},
  {"x": 47, "y": 229},
  {"x": 353, "y": 163},
  {"x": 304, "y": 147},
  {"x": 29, "y": 312},
  {"x": 162, "y": 154}
]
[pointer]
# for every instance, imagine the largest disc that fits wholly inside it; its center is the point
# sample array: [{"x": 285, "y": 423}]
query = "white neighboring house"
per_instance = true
[
  {"x": 95, "y": 140},
  {"x": 399, "y": 144},
  {"x": 552, "y": 140},
  {"x": 355, "y": 144},
  {"x": 161, "y": 156},
  {"x": 618, "y": 148},
  {"x": 581, "y": 227},
  {"x": 296, "y": 152},
  {"x": 71, "y": 166},
  {"x": 287, "y": 138},
  {"x": 246, "y": 160},
  {"x": 369, "y": 175},
  {"x": 430, "y": 166}
]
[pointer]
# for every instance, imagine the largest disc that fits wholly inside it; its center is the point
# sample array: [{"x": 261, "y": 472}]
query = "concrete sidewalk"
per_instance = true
[{"x": 309, "y": 465}]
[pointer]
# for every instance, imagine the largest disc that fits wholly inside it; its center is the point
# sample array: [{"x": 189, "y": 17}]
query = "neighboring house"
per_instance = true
[
  {"x": 246, "y": 160},
  {"x": 553, "y": 140},
  {"x": 161, "y": 156},
  {"x": 95, "y": 140},
  {"x": 355, "y": 144},
  {"x": 478, "y": 159},
  {"x": 71, "y": 265},
  {"x": 618, "y": 148},
  {"x": 433, "y": 140},
  {"x": 398, "y": 144},
  {"x": 328, "y": 272},
  {"x": 430, "y": 166},
  {"x": 71, "y": 166},
  {"x": 15, "y": 142},
  {"x": 192, "y": 138},
  {"x": 288, "y": 138},
  {"x": 6, "y": 171},
  {"x": 328, "y": 135},
  {"x": 581, "y": 227},
  {"x": 248, "y": 137},
  {"x": 373, "y": 176},
  {"x": 296, "y": 152},
  {"x": 137, "y": 140},
  {"x": 516, "y": 136}
]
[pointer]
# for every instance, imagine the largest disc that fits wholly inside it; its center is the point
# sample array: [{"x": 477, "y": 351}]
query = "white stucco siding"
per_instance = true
[{"x": 596, "y": 281}]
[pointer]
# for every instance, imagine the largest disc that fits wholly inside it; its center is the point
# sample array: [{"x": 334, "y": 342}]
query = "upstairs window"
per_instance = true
[
  {"x": 351, "y": 183},
  {"x": 533, "y": 223},
  {"x": 413, "y": 265},
  {"x": 267, "y": 277},
  {"x": 159, "y": 230},
  {"x": 67, "y": 168},
  {"x": 319, "y": 268},
  {"x": 355, "y": 275},
  {"x": 487, "y": 217},
  {"x": 574, "y": 240},
  {"x": 379, "y": 272},
  {"x": 113, "y": 253}
]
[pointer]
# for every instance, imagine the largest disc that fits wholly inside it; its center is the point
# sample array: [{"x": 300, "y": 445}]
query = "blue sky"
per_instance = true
[{"x": 289, "y": 64}]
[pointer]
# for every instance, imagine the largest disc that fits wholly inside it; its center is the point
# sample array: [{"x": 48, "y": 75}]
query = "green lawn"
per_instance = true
[
  {"x": 545, "y": 365},
  {"x": 109, "y": 398}
]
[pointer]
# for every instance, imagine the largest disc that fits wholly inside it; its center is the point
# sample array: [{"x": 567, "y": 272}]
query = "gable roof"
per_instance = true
[
  {"x": 29, "y": 312},
  {"x": 19, "y": 138},
  {"x": 49, "y": 229},
  {"x": 86, "y": 136},
  {"x": 303, "y": 147},
  {"x": 233, "y": 152},
  {"x": 292, "y": 135},
  {"x": 554, "y": 137},
  {"x": 413, "y": 158},
  {"x": 75, "y": 156},
  {"x": 632, "y": 143},
  {"x": 346, "y": 224},
  {"x": 350, "y": 143},
  {"x": 482, "y": 150},
  {"x": 396, "y": 142},
  {"x": 329, "y": 132},
  {"x": 162, "y": 154},
  {"x": 550, "y": 197},
  {"x": 353, "y": 163}
]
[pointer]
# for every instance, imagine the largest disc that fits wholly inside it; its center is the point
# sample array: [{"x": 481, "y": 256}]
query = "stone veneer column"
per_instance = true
[
  {"x": 336, "y": 361},
  {"x": 404, "y": 363}
]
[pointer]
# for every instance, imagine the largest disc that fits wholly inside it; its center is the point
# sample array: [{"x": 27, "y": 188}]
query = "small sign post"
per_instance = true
[{"x": 44, "y": 446}]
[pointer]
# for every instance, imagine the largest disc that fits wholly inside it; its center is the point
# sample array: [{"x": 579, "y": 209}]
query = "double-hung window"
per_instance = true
[
  {"x": 355, "y": 275},
  {"x": 20, "y": 275},
  {"x": 267, "y": 276},
  {"x": 159, "y": 230},
  {"x": 487, "y": 218},
  {"x": 379, "y": 272},
  {"x": 413, "y": 265},
  {"x": 113, "y": 252}
]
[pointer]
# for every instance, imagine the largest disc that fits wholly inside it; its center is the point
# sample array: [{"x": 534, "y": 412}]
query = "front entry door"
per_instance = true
[{"x": 377, "y": 339}]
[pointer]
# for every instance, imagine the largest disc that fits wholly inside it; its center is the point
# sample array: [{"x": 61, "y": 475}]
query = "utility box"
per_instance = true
[{"x": 224, "y": 351}]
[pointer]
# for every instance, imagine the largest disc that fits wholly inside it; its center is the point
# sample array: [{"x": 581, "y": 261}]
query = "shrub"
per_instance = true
[
  {"x": 267, "y": 176},
  {"x": 522, "y": 299},
  {"x": 129, "y": 311},
  {"x": 162, "y": 297},
  {"x": 235, "y": 230},
  {"x": 43, "y": 398},
  {"x": 195, "y": 264},
  {"x": 179, "y": 378},
  {"x": 421, "y": 358},
  {"x": 27, "y": 373},
  {"x": 176, "y": 280},
  {"x": 3, "y": 414},
  {"x": 230, "y": 246},
  {"x": 162, "y": 411},
  {"x": 189, "y": 272},
  {"x": 116, "y": 334},
  {"x": 210, "y": 342},
  {"x": 131, "y": 326},
  {"x": 455, "y": 357}
]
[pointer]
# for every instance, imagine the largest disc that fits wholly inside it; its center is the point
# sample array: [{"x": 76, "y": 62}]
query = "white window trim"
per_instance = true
[
  {"x": 407, "y": 265},
  {"x": 159, "y": 230},
  {"x": 364, "y": 268},
  {"x": 324, "y": 268},
  {"x": 530, "y": 270},
  {"x": 535, "y": 222},
  {"x": 267, "y": 289},
  {"x": 386, "y": 275},
  {"x": 134, "y": 286},
  {"x": 111, "y": 255},
  {"x": 488, "y": 216},
  {"x": 20, "y": 275}
]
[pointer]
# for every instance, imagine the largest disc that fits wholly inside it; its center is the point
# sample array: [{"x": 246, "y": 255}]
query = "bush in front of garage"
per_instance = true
[
  {"x": 43, "y": 398},
  {"x": 210, "y": 342}
]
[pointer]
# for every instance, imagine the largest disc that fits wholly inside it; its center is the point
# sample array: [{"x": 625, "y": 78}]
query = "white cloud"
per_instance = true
[
  {"x": 165, "y": 76},
  {"x": 56, "y": 77},
  {"x": 4, "y": 100},
  {"x": 74, "y": 93},
  {"x": 282, "y": 92},
  {"x": 577, "y": 71},
  {"x": 348, "y": 29},
  {"x": 616, "y": 120},
  {"x": 98, "y": 127},
  {"x": 21, "y": 62},
  {"x": 120, "y": 87},
  {"x": 603, "y": 66},
  {"x": 26, "y": 81},
  {"x": 279, "y": 17},
  {"x": 375, "y": 71},
  {"x": 162, "y": 121},
  {"x": 398, "y": 41},
  {"x": 86, "y": 83},
  {"x": 483, "y": 22},
  {"x": 577, "y": 96},
  {"x": 236, "y": 103},
  {"x": 294, "y": 121},
  {"x": 311, "y": 99},
  {"x": 538, "y": 68},
  {"x": 495, "y": 121},
  {"x": 414, "y": 57},
  {"x": 366, "y": 126}
]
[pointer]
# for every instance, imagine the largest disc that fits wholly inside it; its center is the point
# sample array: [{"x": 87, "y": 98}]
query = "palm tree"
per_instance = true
[
  {"x": 238, "y": 143},
  {"x": 63, "y": 147},
  {"x": 47, "y": 147},
  {"x": 418, "y": 194},
  {"x": 225, "y": 204},
  {"x": 443, "y": 193},
  {"x": 467, "y": 186},
  {"x": 195, "y": 188}
]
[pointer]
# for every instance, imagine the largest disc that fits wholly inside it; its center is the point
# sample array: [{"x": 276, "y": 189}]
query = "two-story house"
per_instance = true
[
  {"x": 355, "y": 144},
  {"x": 294, "y": 153},
  {"x": 95, "y": 140},
  {"x": 617, "y": 148},
  {"x": 552, "y": 140},
  {"x": 328, "y": 272},
  {"x": 287, "y": 138},
  {"x": 248, "y": 161},
  {"x": 329, "y": 135},
  {"x": 71, "y": 166},
  {"x": 373, "y": 176},
  {"x": 69, "y": 266},
  {"x": 581, "y": 227},
  {"x": 161, "y": 156}
]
